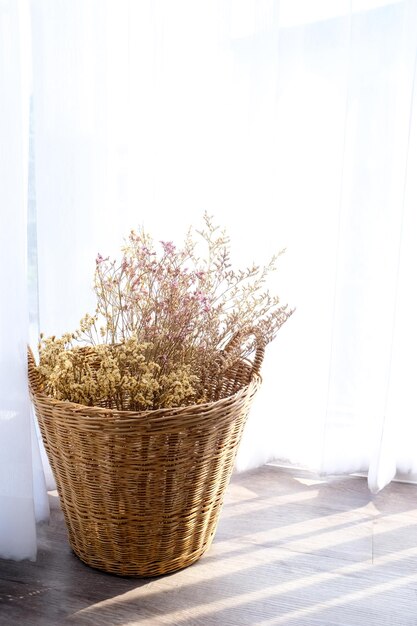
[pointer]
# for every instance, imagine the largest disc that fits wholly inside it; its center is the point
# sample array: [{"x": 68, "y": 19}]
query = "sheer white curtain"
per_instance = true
[
  {"x": 293, "y": 122},
  {"x": 371, "y": 407},
  {"x": 22, "y": 491}
]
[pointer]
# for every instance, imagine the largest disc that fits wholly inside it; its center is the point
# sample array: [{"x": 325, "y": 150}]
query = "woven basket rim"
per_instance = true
[{"x": 94, "y": 410}]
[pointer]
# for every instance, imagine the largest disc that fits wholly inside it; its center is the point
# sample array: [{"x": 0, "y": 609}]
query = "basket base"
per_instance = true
[{"x": 148, "y": 570}]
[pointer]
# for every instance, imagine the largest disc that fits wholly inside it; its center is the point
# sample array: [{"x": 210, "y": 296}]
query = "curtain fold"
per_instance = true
[
  {"x": 364, "y": 409},
  {"x": 396, "y": 450},
  {"x": 22, "y": 494}
]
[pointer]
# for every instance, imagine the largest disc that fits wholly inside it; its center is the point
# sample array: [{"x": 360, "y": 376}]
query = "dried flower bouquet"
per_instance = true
[{"x": 163, "y": 320}]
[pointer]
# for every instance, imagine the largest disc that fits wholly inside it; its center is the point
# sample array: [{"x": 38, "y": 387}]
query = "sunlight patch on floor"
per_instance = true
[{"x": 282, "y": 588}]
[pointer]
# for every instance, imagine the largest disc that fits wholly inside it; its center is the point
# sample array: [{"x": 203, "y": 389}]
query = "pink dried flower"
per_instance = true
[{"x": 168, "y": 247}]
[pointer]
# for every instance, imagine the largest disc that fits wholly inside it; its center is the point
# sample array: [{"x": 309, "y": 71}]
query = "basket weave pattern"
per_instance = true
[{"x": 141, "y": 492}]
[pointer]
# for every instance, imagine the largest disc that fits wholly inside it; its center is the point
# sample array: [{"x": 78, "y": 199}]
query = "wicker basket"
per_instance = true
[{"x": 141, "y": 492}]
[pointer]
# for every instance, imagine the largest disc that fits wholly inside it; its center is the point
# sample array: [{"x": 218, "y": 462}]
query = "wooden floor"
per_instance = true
[{"x": 290, "y": 549}]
